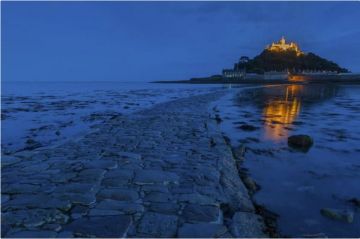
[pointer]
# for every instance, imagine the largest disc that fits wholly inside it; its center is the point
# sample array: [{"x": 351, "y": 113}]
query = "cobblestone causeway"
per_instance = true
[{"x": 161, "y": 172}]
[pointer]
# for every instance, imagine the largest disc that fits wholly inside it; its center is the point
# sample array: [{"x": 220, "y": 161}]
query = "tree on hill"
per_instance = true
[{"x": 288, "y": 60}]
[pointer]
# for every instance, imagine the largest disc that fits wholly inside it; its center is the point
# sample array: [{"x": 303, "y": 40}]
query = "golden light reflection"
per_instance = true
[
  {"x": 297, "y": 78},
  {"x": 281, "y": 112}
]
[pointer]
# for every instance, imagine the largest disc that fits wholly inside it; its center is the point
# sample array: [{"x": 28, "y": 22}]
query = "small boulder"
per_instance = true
[
  {"x": 247, "y": 127},
  {"x": 355, "y": 202},
  {"x": 337, "y": 214},
  {"x": 300, "y": 141}
]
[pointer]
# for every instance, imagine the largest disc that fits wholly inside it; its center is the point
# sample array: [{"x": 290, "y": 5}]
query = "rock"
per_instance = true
[
  {"x": 32, "y": 144},
  {"x": 104, "y": 212},
  {"x": 338, "y": 214},
  {"x": 7, "y": 160},
  {"x": 157, "y": 225},
  {"x": 218, "y": 118},
  {"x": 24, "y": 201},
  {"x": 104, "y": 226},
  {"x": 201, "y": 230},
  {"x": 118, "y": 177},
  {"x": 155, "y": 188},
  {"x": 316, "y": 235},
  {"x": 4, "y": 199},
  {"x": 355, "y": 202},
  {"x": 303, "y": 142},
  {"x": 202, "y": 213},
  {"x": 63, "y": 177},
  {"x": 129, "y": 155},
  {"x": 104, "y": 164},
  {"x": 158, "y": 197},
  {"x": 15, "y": 188},
  {"x": 245, "y": 224},
  {"x": 79, "y": 211},
  {"x": 118, "y": 194},
  {"x": 52, "y": 227},
  {"x": 78, "y": 198},
  {"x": 82, "y": 188},
  {"x": 32, "y": 234},
  {"x": 165, "y": 208},
  {"x": 251, "y": 184},
  {"x": 31, "y": 218},
  {"x": 125, "y": 207},
  {"x": 92, "y": 175},
  {"x": 196, "y": 198},
  {"x": 247, "y": 127},
  {"x": 155, "y": 176},
  {"x": 65, "y": 234}
]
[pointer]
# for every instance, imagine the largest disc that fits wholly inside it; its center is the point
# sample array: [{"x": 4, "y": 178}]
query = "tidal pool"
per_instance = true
[{"x": 296, "y": 184}]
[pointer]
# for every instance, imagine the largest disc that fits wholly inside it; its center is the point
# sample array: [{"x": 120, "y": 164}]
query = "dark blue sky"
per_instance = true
[{"x": 144, "y": 41}]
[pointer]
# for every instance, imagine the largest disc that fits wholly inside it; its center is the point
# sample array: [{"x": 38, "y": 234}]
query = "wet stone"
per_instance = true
[
  {"x": 165, "y": 208},
  {"x": 90, "y": 175},
  {"x": 34, "y": 217},
  {"x": 52, "y": 227},
  {"x": 155, "y": 188},
  {"x": 65, "y": 234},
  {"x": 338, "y": 214},
  {"x": 4, "y": 198},
  {"x": 7, "y": 160},
  {"x": 196, "y": 198},
  {"x": 129, "y": 155},
  {"x": 24, "y": 201},
  {"x": 82, "y": 188},
  {"x": 126, "y": 207},
  {"x": 104, "y": 164},
  {"x": 103, "y": 212},
  {"x": 118, "y": 194},
  {"x": 155, "y": 176},
  {"x": 104, "y": 226},
  {"x": 246, "y": 224},
  {"x": 20, "y": 188},
  {"x": 118, "y": 177},
  {"x": 202, "y": 213},
  {"x": 158, "y": 197},
  {"x": 62, "y": 177},
  {"x": 79, "y": 211},
  {"x": 33, "y": 234},
  {"x": 208, "y": 230},
  {"x": 157, "y": 225},
  {"x": 78, "y": 198}
]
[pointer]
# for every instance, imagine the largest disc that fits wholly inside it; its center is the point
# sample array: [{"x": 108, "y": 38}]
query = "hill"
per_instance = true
[{"x": 290, "y": 60}]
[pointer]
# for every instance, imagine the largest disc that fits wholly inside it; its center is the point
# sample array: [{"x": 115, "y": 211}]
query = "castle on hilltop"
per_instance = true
[
  {"x": 279, "y": 61},
  {"x": 283, "y": 46}
]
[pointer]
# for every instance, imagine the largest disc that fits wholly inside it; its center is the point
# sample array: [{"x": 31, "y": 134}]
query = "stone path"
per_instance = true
[{"x": 162, "y": 172}]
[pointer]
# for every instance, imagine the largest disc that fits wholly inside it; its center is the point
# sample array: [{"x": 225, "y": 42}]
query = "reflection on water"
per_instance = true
[
  {"x": 297, "y": 78},
  {"x": 281, "y": 111},
  {"x": 280, "y": 106}
]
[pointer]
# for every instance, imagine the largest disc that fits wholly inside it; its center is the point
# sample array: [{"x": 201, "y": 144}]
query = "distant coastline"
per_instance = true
[{"x": 308, "y": 79}]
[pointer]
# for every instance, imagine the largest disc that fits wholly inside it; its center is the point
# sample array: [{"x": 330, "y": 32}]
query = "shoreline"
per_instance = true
[{"x": 261, "y": 82}]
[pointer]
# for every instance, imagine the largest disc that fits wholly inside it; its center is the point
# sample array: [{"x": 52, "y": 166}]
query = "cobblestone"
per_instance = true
[{"x": 160, "y": 172}]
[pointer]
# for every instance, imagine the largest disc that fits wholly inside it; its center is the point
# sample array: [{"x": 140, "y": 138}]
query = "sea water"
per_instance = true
[{"x": 297, "y": 184}]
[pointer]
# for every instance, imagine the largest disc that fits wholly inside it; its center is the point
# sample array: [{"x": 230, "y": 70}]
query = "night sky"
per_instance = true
[{"x": 145, "y": 41}]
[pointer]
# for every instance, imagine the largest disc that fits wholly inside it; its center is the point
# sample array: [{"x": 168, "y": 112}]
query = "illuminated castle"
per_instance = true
[{"x": 283, "y": 46}]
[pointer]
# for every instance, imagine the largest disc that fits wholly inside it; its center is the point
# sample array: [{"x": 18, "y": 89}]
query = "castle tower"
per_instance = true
[{"x": 282, "y": 40}]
